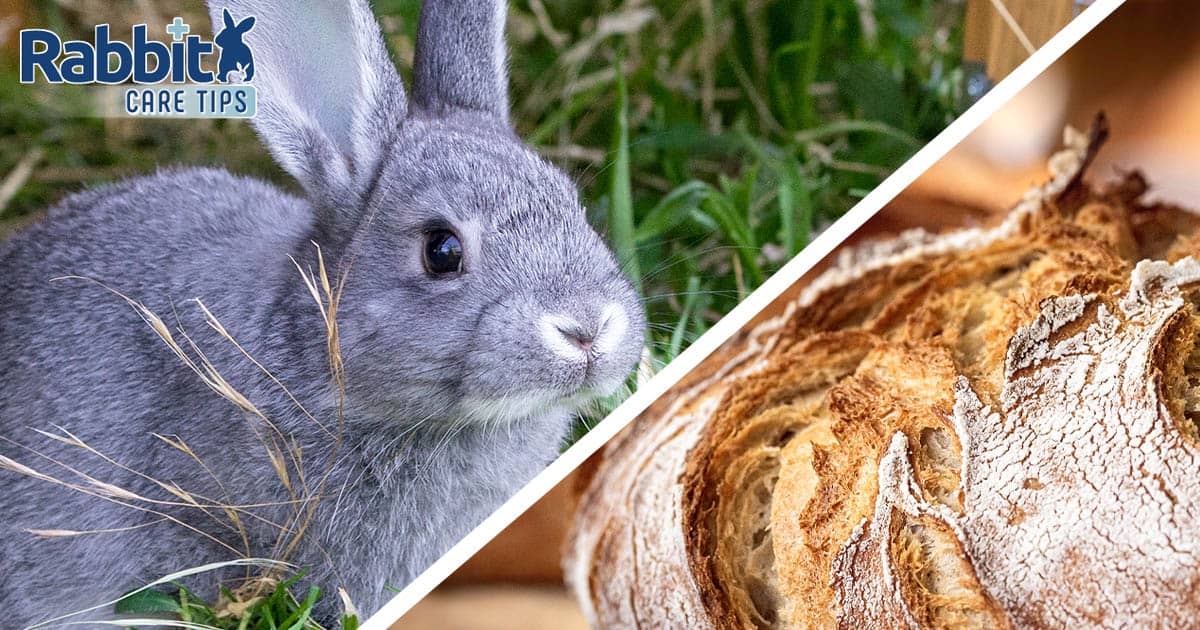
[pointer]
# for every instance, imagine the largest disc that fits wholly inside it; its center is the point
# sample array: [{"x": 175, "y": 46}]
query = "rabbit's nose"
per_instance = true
[
  {"x": 567, "y": 336},
  {"x": 578, "y": 337},
  {"x": 571, "y": 337}
]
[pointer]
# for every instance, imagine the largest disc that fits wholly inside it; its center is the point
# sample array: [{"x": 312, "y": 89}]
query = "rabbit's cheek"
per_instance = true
[{"x": 614, "y": 329}]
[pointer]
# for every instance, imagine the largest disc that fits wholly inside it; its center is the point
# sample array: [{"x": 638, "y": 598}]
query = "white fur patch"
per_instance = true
[
  {"x": 551, "y": 327},
  {"x": 613, "y": 325},
  {"x": 507, "y": 408}
]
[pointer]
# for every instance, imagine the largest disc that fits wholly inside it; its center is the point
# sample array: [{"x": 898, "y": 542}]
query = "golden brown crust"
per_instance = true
[{"x": 787, "y": 390}]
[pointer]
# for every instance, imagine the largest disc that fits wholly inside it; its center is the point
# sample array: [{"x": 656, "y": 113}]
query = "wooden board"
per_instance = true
[{"x": 989, "y": 38}]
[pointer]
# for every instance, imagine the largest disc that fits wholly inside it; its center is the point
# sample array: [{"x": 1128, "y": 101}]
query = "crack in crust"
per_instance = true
[{"x": 1107, "y": 537}]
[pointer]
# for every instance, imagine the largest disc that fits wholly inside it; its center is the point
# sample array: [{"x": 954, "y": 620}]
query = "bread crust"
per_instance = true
[{"x": 989, "y": 428}]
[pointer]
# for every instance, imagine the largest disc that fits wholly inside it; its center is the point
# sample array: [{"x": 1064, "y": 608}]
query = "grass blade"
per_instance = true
[
  {"x": 689, "y": 306},
  {"x": 167, "y": 579},
  {"x": 671, "y": 210},
  {"x": 620, "y": 192}
]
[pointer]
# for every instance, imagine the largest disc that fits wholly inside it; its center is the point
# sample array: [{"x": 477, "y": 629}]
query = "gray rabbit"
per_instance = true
[{"x": 479, "y": 310}]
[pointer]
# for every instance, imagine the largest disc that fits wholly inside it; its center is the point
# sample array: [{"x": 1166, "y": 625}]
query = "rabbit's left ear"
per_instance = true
[
  {"x": 460, "y": 60},
  {"x": 329, "y": 97}
]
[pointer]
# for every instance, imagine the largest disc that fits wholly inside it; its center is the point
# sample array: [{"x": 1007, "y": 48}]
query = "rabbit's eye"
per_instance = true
[{"x": 443, "y": 252}]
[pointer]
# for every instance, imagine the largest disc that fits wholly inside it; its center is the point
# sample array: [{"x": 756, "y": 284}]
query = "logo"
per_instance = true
[
  {"x": 235, "y": 54},
  {"x": 156, "y": 79}
]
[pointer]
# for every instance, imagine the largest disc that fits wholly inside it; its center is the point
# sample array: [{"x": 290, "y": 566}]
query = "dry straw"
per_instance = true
[{"x": 284, "y": 453}]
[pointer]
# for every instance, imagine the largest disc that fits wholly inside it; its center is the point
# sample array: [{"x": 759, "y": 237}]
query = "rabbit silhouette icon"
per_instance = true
[{"x": 235, "y": 54}]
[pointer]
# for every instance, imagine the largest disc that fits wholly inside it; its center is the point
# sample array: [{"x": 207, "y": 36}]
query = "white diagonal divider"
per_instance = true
[{"x": 743, "y": 313}]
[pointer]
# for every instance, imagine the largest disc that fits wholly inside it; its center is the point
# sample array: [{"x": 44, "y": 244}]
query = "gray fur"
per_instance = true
[
  {"x": 460, "y": 58},
  {"x": 454, "y": 396}
]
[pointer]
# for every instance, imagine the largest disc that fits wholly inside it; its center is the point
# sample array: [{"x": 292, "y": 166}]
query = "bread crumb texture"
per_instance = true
[{"x": 989, "y": 428}]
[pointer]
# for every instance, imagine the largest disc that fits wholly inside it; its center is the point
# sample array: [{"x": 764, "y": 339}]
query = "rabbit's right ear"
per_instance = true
[
  {"x": 329, "y": 97},
  {"x": 460, "y": 60}
]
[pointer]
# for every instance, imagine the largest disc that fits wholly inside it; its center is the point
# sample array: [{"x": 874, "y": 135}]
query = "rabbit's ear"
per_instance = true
[
  {"x": 245, "y": 25},
  {"x": 227, "y": 18},
  {"x": 460, "y": 60},
  {"x": 329, "y": 98}
]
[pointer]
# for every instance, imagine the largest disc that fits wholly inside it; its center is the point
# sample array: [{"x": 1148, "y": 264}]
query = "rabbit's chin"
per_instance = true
[{"x": 501, "y": 410}]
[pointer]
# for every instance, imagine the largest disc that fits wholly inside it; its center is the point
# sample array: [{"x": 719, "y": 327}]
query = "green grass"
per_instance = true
[
  {"x": 278, "y": 609},
  {"x": 711, "y": 139},
  {"x": 733, "y": 133},
  {"x": 258, "y": 605},
  {"x": 728, "y": 164}
]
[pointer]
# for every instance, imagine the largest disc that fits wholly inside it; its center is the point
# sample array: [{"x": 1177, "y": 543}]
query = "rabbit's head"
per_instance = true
[{"x": 476, "y": 288}]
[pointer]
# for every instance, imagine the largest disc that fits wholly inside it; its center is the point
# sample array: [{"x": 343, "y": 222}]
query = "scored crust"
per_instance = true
[{"x": 984, "y": 429}]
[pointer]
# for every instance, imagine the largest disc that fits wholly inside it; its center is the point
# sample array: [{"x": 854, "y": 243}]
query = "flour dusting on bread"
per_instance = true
[{"x": 1093, "y": 511}]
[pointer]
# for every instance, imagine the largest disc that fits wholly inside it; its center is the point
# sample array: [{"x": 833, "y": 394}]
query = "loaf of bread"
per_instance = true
[{"x": 988, "y": 428}]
